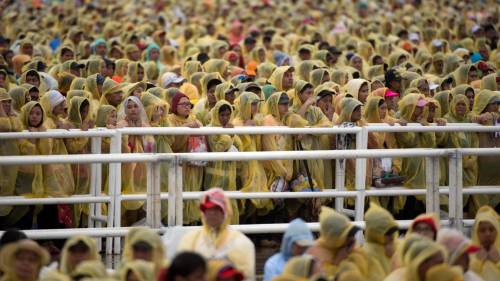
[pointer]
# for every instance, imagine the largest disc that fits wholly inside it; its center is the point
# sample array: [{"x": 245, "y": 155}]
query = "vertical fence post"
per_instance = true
[
  {"x": 172, "y": 185},
  {"x": 360, "y": 182},
  {"x": 455, "y": 186},
  {"x": 114, "y": 186},
  {"x": 153, "y": 205},
  {"x": 95, "y": 188},
  {"x": 179, "y": 203},
  {"x": 432, "y": 184}
]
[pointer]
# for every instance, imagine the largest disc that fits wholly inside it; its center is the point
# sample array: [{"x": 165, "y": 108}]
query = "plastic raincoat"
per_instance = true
[
  {"x": 143, "y": 270},
  {"x": 225, "y": 242},
  {"x": 276, "y": 78},
  {"x": 487, "y": 269},
  {"x": 19, "y": 97},
  {"x": 66, "y": 267},
  {"x": 202, "y": 107},
  {"x": 297, "y": 269},
  {"x": 150, "y": 237},
  {"x": 8, "y": 259}
]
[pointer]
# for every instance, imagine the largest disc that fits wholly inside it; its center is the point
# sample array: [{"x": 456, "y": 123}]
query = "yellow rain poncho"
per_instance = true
[
  {"x": 8, "y": 259},
  {"x": 109, "y": 87},
  {"x": 90, "y": 269},
  {"x": 486, "y": 268},
  {"x": 276, "y": 78},
  {"x": 461, "y": 74},
  {"x": 489, "y": 82},
  {"x": 216, "y": 65},
  {"x": 8, "y": 123},
  {"x": 265, "y": 70},
  {"x": 465, "y": 140},
  {"x": 150, "y": 237},
  {"x": 202, "y": 107},
  {"x": 304, "y": 69},
  {"x": 222, "y": 173},
  {"x": 66, "y": 267},
  {"x": 319, "y": 76},
  {"x": 223, "y": 243},
  {"x": 297, "y": 269},
  {"x": 192, "y": 175},
  {"x": 353, "y": 88},
  {"x": 222, "y": 89},
  {"x": 81, "y": 172},
  {"x": 252, "y": 173},
  {"x": 378, "y": 223},
  {"x": 413, "y": 168},
  {"x": 61, "y": 182},
  {"x": 94, "y": 66},
  {"x": 78, "y": 83},
  {"x": 142, "y": 270},
  {"x": 133, "y": 72},
  {"x": 488, "y": 174},
  {"x": 19, "y": 97}
]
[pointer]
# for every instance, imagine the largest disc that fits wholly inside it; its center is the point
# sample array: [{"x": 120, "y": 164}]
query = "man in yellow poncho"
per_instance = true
[{"x": 216, "y": 239}]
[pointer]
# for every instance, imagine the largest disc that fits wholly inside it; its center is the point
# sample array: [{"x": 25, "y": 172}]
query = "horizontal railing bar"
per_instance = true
[
  {"x": 75, "y": 199},
  {"x": 490, "y": 151},
  {"x": 82, "y": 158},
  {"x": 258, "y": 130},
  {"x": 59, "y": 133},
  {"x": 452, "y": 128}
]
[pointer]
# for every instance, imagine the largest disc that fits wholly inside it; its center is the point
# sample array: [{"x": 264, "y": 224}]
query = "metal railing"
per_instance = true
[{"x": 176, "y": 196}]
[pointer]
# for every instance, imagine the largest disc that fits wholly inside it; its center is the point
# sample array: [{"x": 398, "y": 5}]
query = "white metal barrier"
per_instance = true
[{"x": 175, "y": 195}]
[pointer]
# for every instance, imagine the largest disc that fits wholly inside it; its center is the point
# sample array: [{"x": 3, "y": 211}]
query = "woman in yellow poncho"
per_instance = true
[
  {"x": 137, "y": 270},
  {"x": 217, "y": 65},
  {"x": 380, "y": 232},
  {"x": 132, "y": 114},
  {"x": 223, "y": 173},
  {"x": 208, "y": 99},
  {"x": 486, "y": 234},
  {"x": 22, "y": 261},
  {"x": 192, "y": 175},
  {"x": 20, "y": 97},
  {"x": 135, "y": 72},
  {"x": 142, "y": 243},
  {"x": 465, "y": 74},
  {"x": 252, "y": 173},
  {"x": 358, "y": 89},
  {"x": 157, "y": 111},
  {"x": 282, "y": 78},
  {"x": 79, "y": 118},
  {"x": 411, "y": 109},
  {"x": 216, "y": 240},
  {"x": 76, "y": 250},
  {"x": 112, "y": 93},
  {"x": 459, "y": 113},
  {"x": 485, "y": 110}
]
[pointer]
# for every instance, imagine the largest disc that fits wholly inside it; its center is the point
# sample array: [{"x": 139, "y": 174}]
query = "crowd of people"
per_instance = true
[
  {"x": 217, "y": 252},
  {"x": 225, "y": 63}
]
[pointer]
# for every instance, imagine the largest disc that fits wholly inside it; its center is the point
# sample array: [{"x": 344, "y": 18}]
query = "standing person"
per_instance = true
[
  {"x": 296, "y": 240},
  {"x": 486, "y": 234},
  {"x": 192, "y": 174},
  {"x": 216, "y": 239}
]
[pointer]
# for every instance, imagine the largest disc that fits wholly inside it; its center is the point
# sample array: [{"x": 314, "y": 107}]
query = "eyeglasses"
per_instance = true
[{"x": 185, "y": 104}]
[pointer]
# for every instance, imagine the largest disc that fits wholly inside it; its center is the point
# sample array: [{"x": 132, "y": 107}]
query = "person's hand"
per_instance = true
[
  {"x": 482, "y": 254},
  {"x": 390, "y": 249},
  {"x": 192, "y": 124},
  {"x": 250, "y": 123},
  {"x": 310, "y": 101},
  {"x": 494, "y": 255},
  {"x": 402, "y": 122},
  {"x": 390, "y": 122},
  {"x": 485, "y": 118},
  {"x": 229, "y": 125},
  {"x": 86, "y": 125},
  {"x": 441, "y": 122}
]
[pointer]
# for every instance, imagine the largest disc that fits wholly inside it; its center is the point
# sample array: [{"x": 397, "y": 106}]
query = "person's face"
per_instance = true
[
  {"x": 132, "y": 111},
  {"x": 115, "y": 98},
  {"x": 363, "y": 93},
  {"x": 306, "y": 94},
  {"x": 154, "y": 54},
  {"x": 438, "y": 65},
  {"x": 135, "y": 55},
  {"x": 140, "y": 73},
  {"x": 357, "y": 63},
  {"x": 461, "y": 108},
  {"x": 382, "y": 111},
  {"x": 470, "y": 96},
  {"x": 67, "y": 55},
  {"x": 463, "y": 261},
  {"x": 487, "y": 234},
  {"x": 198, "y": 275},
  {"x": 401, "y": 60},
  {"x": 472, "y": 76},
  {"x": 424, "y": 229},
  {"x": 214, "y": 217},
  {"x": 392, "y": 102},
  {"x": 145, "y": 255},
  {"x": 84, "y": 111},
  {"x": 298, "y": 250},
  {"x": 34, "y": 95},
  {"x": 230, "y": 97},
  {"x": 305, "y": 55},
  {"x": 255, "y": 108},
  {"x": 378, "y": 60},
  {"x": 287, "y": 82},
  {"x": 283, "y": 108},
  {"x": 78, "y": 256},
  {"x": 222, "y": 51},
  {"x": 417, "y": 113},
  {"x": 138, "y": 92},
  {"x": 262, "y": 55},
  {"x": 211, "y": 95},
  {"x": 423, "y": 87},
  {"x": 237, "y": 49},
  {"x": 356, "y": 114},
  {"x": 224, "y": 117},
  {"x": 434, "y": 260},
  {"x": 184, "y": 107},
  {"x": 100, "y": 49},
  {"x": 492, "y": 107},
  {"x": 35, "y": 117},
  {"x": 112, "y": 118},
  {"x": 33, "y": 80},
  {"x": 28, "y": 49},
  {"x": 325, "y": 103},
  {"x": 26, "y": 265},
  {"x": 395, "y": 85},
  {"x": 132, "y": 277},
  {"x": 59, "y": 109}
]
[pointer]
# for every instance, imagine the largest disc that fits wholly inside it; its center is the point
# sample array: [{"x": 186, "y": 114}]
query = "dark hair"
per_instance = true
[
  {"x": 184, "y": 264},
  {"x": 12, "y": 236},
  {"x": 225, "y": 107},
  {"x": 381, "y": 102},
  {"x": 249, "y": 40},
  {"x": 41, "y": 121},
  {"x": 109, "y": 63}
]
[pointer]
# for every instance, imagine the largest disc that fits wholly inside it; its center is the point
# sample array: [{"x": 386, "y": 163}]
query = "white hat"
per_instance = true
[
  {"x": 414, "y": 36},
  {"x": 55, "y": 98},
  {"x": 170, "y": 77},
  {"x": 437, "y": 43},
  {"x": 475, "y": 28}
]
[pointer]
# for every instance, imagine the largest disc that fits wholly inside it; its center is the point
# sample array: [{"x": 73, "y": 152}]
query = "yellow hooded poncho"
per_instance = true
[
  {"x": 202, "y": 107},
  {"x": 19, "y": 96},
  {"x": 276, "y": 78},
  {"x": 66, "y": 267},
  {"x": 297, "y": 269},
  {"x": 149, "y": 236},
  {"x": 143, "y": 270},
  {"x": 487, "y": 269},
  {"x": 132, "y": 72}
]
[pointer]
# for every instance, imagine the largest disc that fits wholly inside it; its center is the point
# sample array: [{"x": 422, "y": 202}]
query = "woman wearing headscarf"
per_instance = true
[
  {"x": 215, "y": 239},
  {"x": 296, "y": 240},
  {"x": 358, "y": 89},
  {"x": 20, "y": 96},
  {"x": 181, "y": 116},
  {"x": 23, "y": 260},
  {"x": 252, "y": 173},
  {"x": 132, "y": 114},
  {"x": 93, "y": 66},
  {"x": 76, "y": 250},
  {"x": 411, "y": 109},
  {"x": 135, "y": 72},
  {"x": 120, "y": 70},
  {"x": 490, "y": 82},
  {"x": 282, "y": 78},
  {"x": 208, "y": 99},
  {"x": 381, "y": 232},
  {"x": 138, "y": 270},
  {"x": 459, "y": 113},
  {"x": 142, "y": 243},
  {"x": 485, "y": 112},
  {"x": 226, "y": 91},
  {"x": 465, "y": 74},
  {"x": 223, "y": 173},
  {"x": 152, "y": 54},
  {"x": 486, "y": 234},
  {"x": 467, "y": 91}
]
